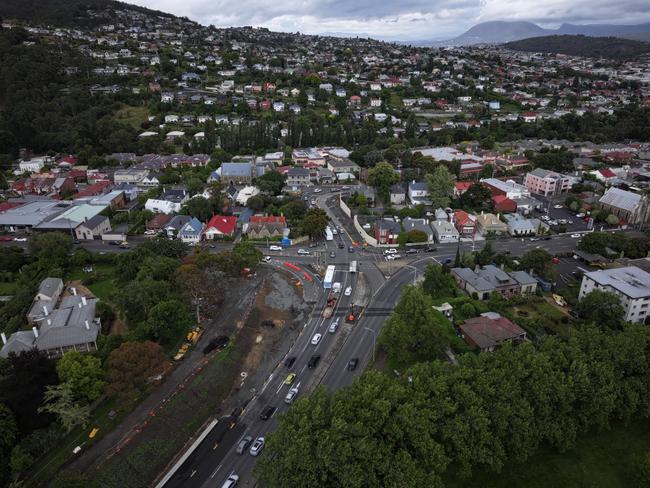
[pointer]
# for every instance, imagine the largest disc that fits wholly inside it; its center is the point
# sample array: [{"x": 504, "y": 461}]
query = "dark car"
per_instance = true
[
  {"x": 217, "y": 343},
  {"x": 352, "y": 364},
  {"x": 350, "y": 249},
  {"x": 332, "y": 254},
  {"x": 341, "y": 245},
  {"x": 289, "y": 361},
  {"x": 412, "y": 251},
  {"x": 113, "y": 243},
  {"x": 546, "y": 238},
  {"x": 430, "y": 249},
  {"x": 267, "y": 412},
  {"x": 313, "y": 361}
]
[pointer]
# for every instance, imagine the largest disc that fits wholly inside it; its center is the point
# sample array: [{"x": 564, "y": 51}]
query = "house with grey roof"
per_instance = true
[
  {"x": 175, "y": 225},
  {"x": 397, "y": 195},
  {"x": 444, "y": 231},
  {"x": 46, "y": 298},
  {"x": 191, "y": 231},
  {"x": 521, "y": 226},
  {"x": 298, "y": 177},
  {"x": 627, "y": 206},
  {"x": 422, "y": 225},
  {"x": 92, "y": 228},
  {"x": 237, "y": 173},
  {"x": 481, "y": 282}
]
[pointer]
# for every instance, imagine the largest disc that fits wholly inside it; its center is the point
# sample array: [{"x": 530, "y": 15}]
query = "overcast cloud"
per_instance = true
[{"x": 397, "y": 19}]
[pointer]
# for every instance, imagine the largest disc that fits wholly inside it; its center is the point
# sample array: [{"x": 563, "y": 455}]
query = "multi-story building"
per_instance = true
[
  {"x": 483, "y": 281},
  {"x": 630, "y": 284},
  {"x": 548, "y": 183}
]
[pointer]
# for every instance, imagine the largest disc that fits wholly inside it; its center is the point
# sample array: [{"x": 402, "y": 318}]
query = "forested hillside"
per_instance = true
[{"x": 596, "y": 47}]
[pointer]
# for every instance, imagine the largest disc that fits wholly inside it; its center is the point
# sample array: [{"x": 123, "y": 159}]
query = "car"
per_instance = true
[
  {"x": 291, "y": 395},
  {"x": 312, "y": 202},
  {"x": 5, "y": 239},
  {"x": 333, "y": 326},
  {"x": 317, "y": 190},
  {"x": 267, "y": 412},
  {"x": 334, "y": 231},
  {"x": 231, "y": 481},
  {"x": 341, "y": 245},
  {"x": 313, "y": 244},
  {"x": 20, "y": 239},
  {"x": 275, "y": 248},
  {"x": 430, "y": 249},
  {"x": 313, "y": 361},
  {"x": 150, "y": 232},
  {"x": 332, "y": 254},
  {"x": 289, "y": 361},
  {"x": 76, "y": 241},
  {"x": 291, "y": 377},
  {"x": 570, "y": 221},
  {"x": 316, "y": 339},
  {"x": 534, "y": 238},
  {"x": 345, "y": 188},
  {"x": 558, "y": 206},
  {"x": 546, "y": 238},
  {"x": 243, "y": 444},
  {"x": 350, "y": 249},
  {"x": 110, "y": 243},
  {"x": 575, "y": 236},
  {"x": 352, "y": 364},
  {"x": 217, "y": 343},
  {"x": 448, "y": 260},
  {"x": 580, "y": 215},
  {"x": 257, "y": 446},
  {"x": 412, "y": 251},
  {"x": 391, "y": 257},
  {"x": 124, "y": 245},
  {"x": 348, "y": 291},
  {"x": 545, "y": 218},
  {"x": 303, "y": 252},
  {"x": 266, "y": 259},
  {"x": 392, "y": 250},
  {"x": 334, "y": 190}
]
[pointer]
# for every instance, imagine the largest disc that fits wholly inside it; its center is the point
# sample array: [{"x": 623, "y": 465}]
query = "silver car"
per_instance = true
[
  {"x": 243, "y": 444},
  {"x": 257, "y": 446}
]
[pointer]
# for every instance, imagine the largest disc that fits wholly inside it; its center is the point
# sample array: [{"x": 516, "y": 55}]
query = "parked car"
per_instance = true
[
  {"x": 348, "y": 291},
  {"x": 231, "y": 481},
  {"x": 316, "y": 339},
  {"x": 266, "y": 259},
  {"x": 332, "y": 254},
  {"x": 412, "y": 251},
  {"x": 575, "y": 236},
  {"x": 243, "y": 444},
  {"x": 352, "y": 364},
  {"x": 257, "y": 446},
  {"x": 430, "y": 249},
  {"x": 290, "y": 378},
  {"x": 303, "y": 252},
  {"x": 150, "y": 232},
  {"x": 313, "y": 361},
  {"x": 558, "y": 206},
  {"x": 392, "y": 250},
  {"x": 289, "y": 361},
  {"x": 317, "y": 190},
  {"x": 291, "y": 395},
  {"x": 275, "y": 248},
  {"x": 217, "y": 343},
  {"x": 341, "y": 245},
  {"x": 267, "y": 412}
]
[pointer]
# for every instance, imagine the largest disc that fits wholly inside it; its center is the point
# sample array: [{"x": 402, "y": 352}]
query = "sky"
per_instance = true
[{"x": 398, "y": 19}]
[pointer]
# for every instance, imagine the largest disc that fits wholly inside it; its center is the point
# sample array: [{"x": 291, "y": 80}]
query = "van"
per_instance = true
[{"x": 336, "y": 287}]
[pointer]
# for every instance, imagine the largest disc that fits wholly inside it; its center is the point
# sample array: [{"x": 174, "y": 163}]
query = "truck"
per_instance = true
[
  {"x": 329, "y": 277},
  {"x": 329, "y": 236},
  {"x": 329, "y": 306},
  {"x": 353, "y": 266},
  {"x": 114, "y": 237}
]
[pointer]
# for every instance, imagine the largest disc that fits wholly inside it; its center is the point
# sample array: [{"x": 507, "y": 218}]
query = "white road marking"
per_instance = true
[{"x": 215, "y": 471}]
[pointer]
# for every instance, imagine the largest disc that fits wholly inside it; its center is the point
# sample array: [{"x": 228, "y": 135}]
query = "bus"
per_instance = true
[
  {"x": 329, "y": 235},
  {"x": 353, "y": 266},
  {"x": 329, "y": 277}
]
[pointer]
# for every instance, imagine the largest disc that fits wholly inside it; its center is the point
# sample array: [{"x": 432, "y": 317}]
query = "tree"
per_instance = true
[
  {"x": 84, "y": 373},
  {"x": 59, "y": 400},
  {"x": 381, "y": 177},
  {"x": 138, "y": 297},
  {"x": 485, "y": 255},
  {"x": 540, "y": 261},
  {"x": 51, "y": 249},
  {"x": 271, "y": 182},
  {"x": 601, "y": 308},
  {"x": 476, "y": 198},
  {"x": 166, "y": 322},
  {"x": 246, "y": 255},
  {"x": 131, "y": 366},
  {"x": 200, "y": 207},
  {"x": 441, "y": 185},
  {"x": 314, "y": 222},
  {"x": 437, "y": 283},
  {"x": 8, "y": 430},
  {"x": 414, "y": 332}
]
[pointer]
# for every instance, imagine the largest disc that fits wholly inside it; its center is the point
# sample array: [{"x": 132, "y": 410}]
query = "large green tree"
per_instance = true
[
  {"x": 314, "y": 222},
  {"x": 441, "y": 186},
  {"x": 602, "y": 308},
  {"x": 59, "y": 400},
  {"x": 381, "y": 177},
  {"x": 84, "y": 373},
  {"x": 131, "y": 366},
  {"x": 166, "y": 322},
  {"x": 540, "y": 261},
  {"x": 437, "y": 283}
]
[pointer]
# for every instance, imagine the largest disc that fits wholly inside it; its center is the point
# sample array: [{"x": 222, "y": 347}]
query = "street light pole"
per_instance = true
[{"x": 374, "y": 341}]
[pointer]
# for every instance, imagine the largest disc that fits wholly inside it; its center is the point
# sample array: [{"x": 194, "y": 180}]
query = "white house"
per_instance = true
[{"x": 418, "y": 193}]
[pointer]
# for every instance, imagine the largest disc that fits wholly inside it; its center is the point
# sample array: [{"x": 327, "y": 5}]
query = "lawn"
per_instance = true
[
  {"x": 599, "y": 460},
  {"x": 134, "y": 116},
  {"x": 7, "y": 288},
  {"x": 540, "y": 317},
  {"x": 103, "y": 284}
]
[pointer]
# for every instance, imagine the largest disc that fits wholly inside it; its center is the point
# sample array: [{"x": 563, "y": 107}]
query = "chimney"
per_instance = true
[
  {"x": 83, "y": 300},
  {"x": 502, "y": 266},
  {"x": 49, "y": 322},
  {"x": 74, "y": 291},
  {"x": 4, "y": 337},
  {"x": 477, "y": 268},
  {"x": 35, "y": 331},
  {"x": 87, "y": 325}
]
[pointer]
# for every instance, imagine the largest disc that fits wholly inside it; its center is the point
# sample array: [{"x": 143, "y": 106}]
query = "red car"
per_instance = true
[{"x": 5, "y": 238}]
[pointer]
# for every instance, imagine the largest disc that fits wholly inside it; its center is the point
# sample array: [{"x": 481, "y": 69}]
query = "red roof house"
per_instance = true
[
  {"x": 220, "y": 226},
  {"x": 490, "y": 330},
  {"x": 461, "y": 187},
  {"x": 270, "y": 219},
  {"x": 503, "y": 204}
]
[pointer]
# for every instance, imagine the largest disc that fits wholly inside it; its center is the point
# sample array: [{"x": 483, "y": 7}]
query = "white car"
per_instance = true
[
  {"x": 275, "y": 248},
  {"x": 291, "y": 396},
  {"x": 575, "y": 236},
  {"x": 390, "y": 251},
  {"x": 232, "y": 480},
  {"x": 580, "y": 215},
  {"x": 348, "y": 291},
  {"x": 333, "y": 326},
  {"x": 20, "y": 239},
  {"x": 150, "y": 232},
  {"x": 303, "y": 252},
  {"x": 316, "y": 339},
  {"x": 391, "y": 257},
  {"x": 558, "y": 206},
  {"x": 257, "y": 446},
  {"x": 317, "y": 190},
  {"x": 266, "y": 259}
]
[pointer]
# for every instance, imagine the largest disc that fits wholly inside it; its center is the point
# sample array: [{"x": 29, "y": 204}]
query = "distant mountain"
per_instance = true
[
  {"x": 65, "y": 12},
  {"x": 579, "y": 45},
  {"x": 496, "y": 32}
]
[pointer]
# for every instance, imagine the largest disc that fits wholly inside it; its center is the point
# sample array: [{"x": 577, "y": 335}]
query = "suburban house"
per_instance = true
[
  {"x": 46, "y": 298},
  {"x": 298, "y": 177},
  {"x": 237, "y": 173},
  {"x": 169, "y": 203},
  {"x": 503, "y": 204},
  {"x": 418, "y": 193},
  {"x": 129, "y": 175},
  {"x": 324, "y": 176},
  {"x": 481, "y": 282},
  {"x": 631, "y": 284},
  {"x": 72, "y": 326},
  {"x": 387, "y": 231},
  {"x": 627, "y": 206},
  {"x": 261, "y": 227},
  {"x": 444, "y": 231},
  {"x": 220, "y": 226},
  {"x": 487, "y": 222},
  {"x": 158, "y": 222},
  {"x": 92, "y": 228},
  {"x": 397, "y": 195},
  {"x": 489, "y": 330},
  {"x": 175, "y": 225},
  {"x": 191, "y": 231},
  {"x": 465, "y": 224},
  {"x": 422, "y": 225},
  {"x": 342, "y": 166},
  {"x": 548, "y": 183}
]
